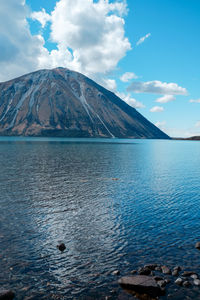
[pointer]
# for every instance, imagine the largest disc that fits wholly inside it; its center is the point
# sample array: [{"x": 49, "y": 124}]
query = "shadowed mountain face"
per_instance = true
[{"x": 64, "y": 103}]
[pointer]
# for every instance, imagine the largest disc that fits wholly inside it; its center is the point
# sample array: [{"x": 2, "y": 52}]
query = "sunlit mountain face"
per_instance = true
[{"x": 65, "y": 103}]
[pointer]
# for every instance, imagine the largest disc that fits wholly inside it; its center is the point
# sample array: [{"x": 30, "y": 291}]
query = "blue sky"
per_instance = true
[{"x": 156, "y": 41}]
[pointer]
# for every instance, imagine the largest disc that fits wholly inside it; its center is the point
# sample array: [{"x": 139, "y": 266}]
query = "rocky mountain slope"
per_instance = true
[{"x": 61, "y": 102}]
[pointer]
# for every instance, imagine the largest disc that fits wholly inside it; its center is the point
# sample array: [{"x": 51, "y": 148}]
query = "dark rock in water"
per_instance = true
[
  {"x": 158, "y": 269},
  {"x": 175, "y": 273},
  {"x": 197, "y": 282},
  {"x": 144, "y": 271},
  {"x": 151, "y": 266},
  {"x": 188, "y": 273},
  {"x": 197, "y": 246},
  {"x": 61, "y": 247},
  {"x": 141, "y": 284},
  {"x": 167, "y": 281},
  {"x": 165, "y": 270},
  {"x": 186, "y": 283},
  {"x": 177, "y": 268},
  {"x": 161, "y": 283},
  {"x": 179, "y": 281},
  {"x": 133, "y": 272},
  {"x": 116, "y": 272},
  {"x": 157, "y": 278},
  {"x": 6, "y": 295}
]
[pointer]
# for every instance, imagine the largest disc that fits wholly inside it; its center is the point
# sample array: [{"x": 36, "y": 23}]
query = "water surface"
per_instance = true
[{"x": 116, "y": 204}]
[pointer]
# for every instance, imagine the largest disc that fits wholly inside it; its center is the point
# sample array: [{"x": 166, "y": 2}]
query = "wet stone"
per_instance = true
[
  {"x": 61, "y": 247},
  {"x": 197, "y": 282},
  {"x": 116, "y": 272},
  {"x": 177, "y": 268},
  {"x": 186, "y": 283},
  {"x": 151, "y": 266},
  {"x": 144, "y": 271},
  {"x": 142, "y": 284},
  {"x": 179, "y": 281},
  {"x": 188, "y": 273},
  {"x": 197, "y": 246},
  {"x": 165, "y": 270},
  {"x": 161, "y": 283},
  {"x": 175, "y": 273},
  {"x": 133, "y": 272},
  {"x": 6, "y": 295},
  {"x": 194, "y": 276}
]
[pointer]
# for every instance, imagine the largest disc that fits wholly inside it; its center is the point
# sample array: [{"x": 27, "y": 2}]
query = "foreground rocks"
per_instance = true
[
  {"x": 153, "y": 279},
  {"x": 6, "y": 295},
  {"x": 141, "y": 284},
  {"x": 61, "y": 247}
]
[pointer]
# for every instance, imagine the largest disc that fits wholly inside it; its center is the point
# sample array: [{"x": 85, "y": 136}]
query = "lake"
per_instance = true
[{"x": 116, "y": 204}]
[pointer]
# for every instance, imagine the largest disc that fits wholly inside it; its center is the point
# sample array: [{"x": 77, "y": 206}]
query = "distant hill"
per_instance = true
[
  {"x": 193, "y": 138},
  {"x": 64, "y": 103}
]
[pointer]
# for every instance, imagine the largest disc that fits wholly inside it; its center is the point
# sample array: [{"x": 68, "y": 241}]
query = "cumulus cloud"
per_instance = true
[
  {"x": 19, "y": 50},
  {"x": 41, "y": 16},
  {"x": 166, "y": 99},
  {"x": 126, "y": 77},
  {"x": 194, "y": 101},
  {"x": 130, "y": 101},
  {"x": 157, "y": 87},
  {"x": 142, "y": 39},
  {"x": 84, "y": 33},
  {"x": 157, "y": 109},
  {"x": 160, "y": 124},
  {"x": 109, "y": 84}
]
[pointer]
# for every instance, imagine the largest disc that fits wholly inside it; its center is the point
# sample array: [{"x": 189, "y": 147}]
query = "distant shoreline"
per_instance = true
[{"x": 193, "y": 138}]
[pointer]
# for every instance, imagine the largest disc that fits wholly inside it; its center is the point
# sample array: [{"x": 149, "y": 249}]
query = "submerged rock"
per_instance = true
[
  {"x": 188, "y": 273},
  {"x": 186, "y": 283},
  {"x": 142, "y": 284},
  {"x": 144, "y": 271},
  {"x": 194, "y": 276},
  {"x": 6, "y": 295},
  {"x": 61, "y": 247}
]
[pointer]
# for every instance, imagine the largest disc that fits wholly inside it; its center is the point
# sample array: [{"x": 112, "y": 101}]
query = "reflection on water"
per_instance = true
[{"x": 63, "y": 190}]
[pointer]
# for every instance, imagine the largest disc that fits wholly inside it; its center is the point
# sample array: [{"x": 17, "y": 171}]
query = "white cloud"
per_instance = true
[
  {"x": 85, "y": 32},
  {"x": 89, "y": 36},
  {"x": 157, "y": 109},
  {"x": 20, "y": 52},
  {"x": 142, "y": 39},
  {"x": 130, "y": 101},
  {"x": 126, "y": 77},
  {"x": 197, "y": 124},
  {"x": 166, "y": 99},
  {"x": 194, "y": 101},
  {"x": 41, "y": 16},
  {"x": 157, "y": 87},
  {"x": 109, "y": 84}
]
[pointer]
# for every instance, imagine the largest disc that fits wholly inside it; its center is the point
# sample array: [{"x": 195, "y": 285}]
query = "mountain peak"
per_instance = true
[{"x": 61, "y": 102}]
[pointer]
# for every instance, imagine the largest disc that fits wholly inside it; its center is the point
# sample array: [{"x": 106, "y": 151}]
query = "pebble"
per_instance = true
[
  {"x": 196, "y": 282},
  {"x": 133, "y": 272},
  {"x": 197, "y": 246},
  {"x": 116, "y": 272},
  {"x": 177, "y": 268},
  {"x": 179, "y": 281},
  {"x": 175, "y": 273},
  {"x": 194, "y": 276},
  {"x": 186, "y": 283},
  {"x": 188, "y": 273},
  {"x": 165, "y": 270},
  {"x": 161, "y": 283},
  {"x": 144, "y": 271}
]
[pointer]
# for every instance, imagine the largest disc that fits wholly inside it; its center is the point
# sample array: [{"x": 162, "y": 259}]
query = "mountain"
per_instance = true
[{"x": 65, "y": 103}]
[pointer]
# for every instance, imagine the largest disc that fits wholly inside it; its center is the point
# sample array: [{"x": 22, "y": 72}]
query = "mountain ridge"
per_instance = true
[{"x": 61, "y": 102}]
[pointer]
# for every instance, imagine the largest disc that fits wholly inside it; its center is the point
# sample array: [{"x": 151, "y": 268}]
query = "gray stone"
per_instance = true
[
  {"x": 161, "y": 283},
  {"x": 186, "y": 283},
  {"x": 165, "y": 270},
  {"x": 158, "y": 269},
  {"x": 194, "y": 276},
  {"x": 196, "y": 282},
  {"x": 177, "y": 268},
  {"x": 197, "y": 246},
  {"x": 116, "y": 272},
  {"x": 175, "y": 273},
  {"x": 167, "y": 281},
  {"x": 142, "y": 284},
  {"x": 179, "y": 281},
  {"x": 6, "y": 295},
  {"x": 133, "y": 272},
  {"x": 188, "y": 273}
]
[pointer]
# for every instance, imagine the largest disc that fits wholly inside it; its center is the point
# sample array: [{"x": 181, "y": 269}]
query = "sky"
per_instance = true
[{"x": 145, "y": 51}]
